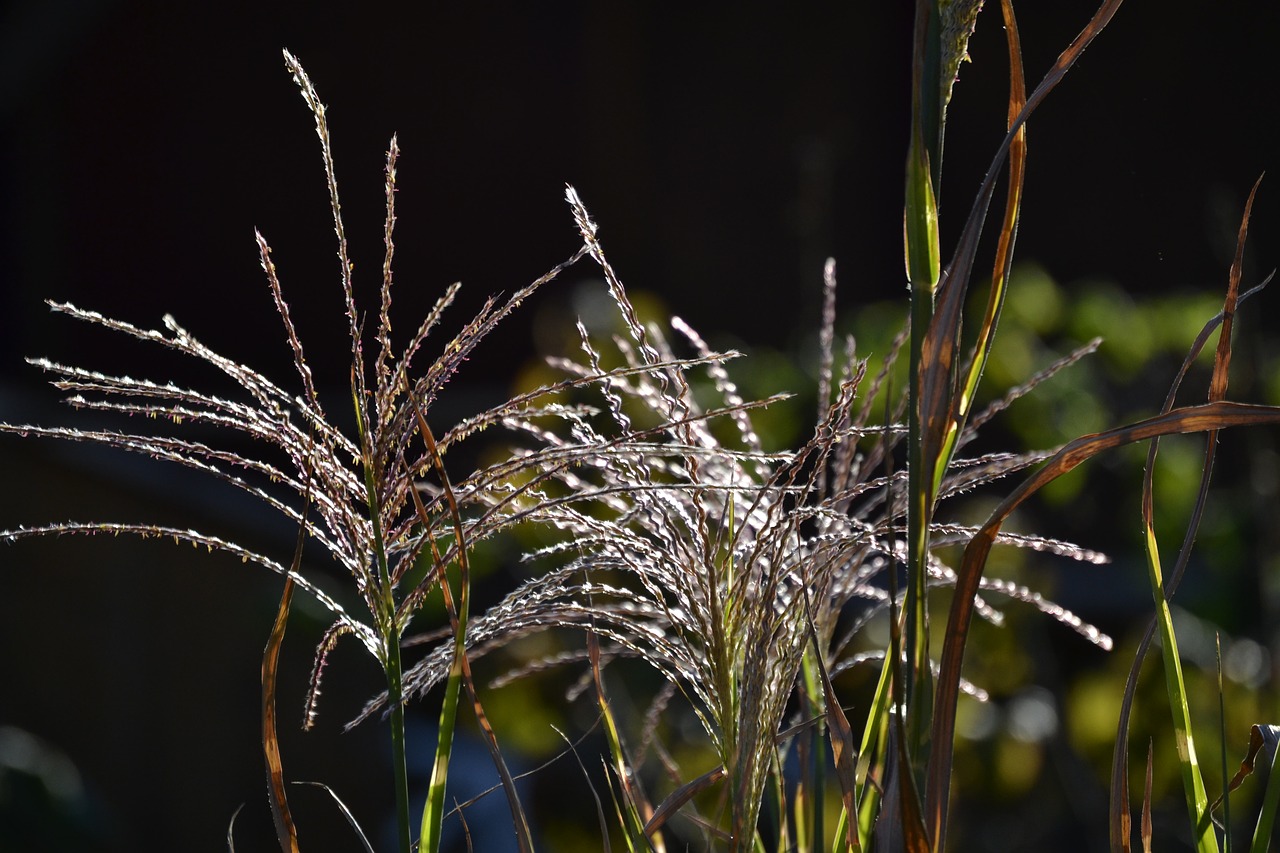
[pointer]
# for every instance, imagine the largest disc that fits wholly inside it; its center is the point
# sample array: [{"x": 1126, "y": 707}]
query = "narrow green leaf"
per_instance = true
[
  {"x": 874, "y": 739},
  {"x": 1192, "y": 780},
  {"x": 923, "y": 252},
  {"x": 808, "y": 800},
  {"x": 384, "y": 606},
  {"x": 461, "y": 667},
  {"x": 1222, "y": 743},
  {"x": 429, "y": 832},
  {"x": 1271, "y": 801},
  {"x": 635, "y": 828},
  {"x": 924, "y": 158}
]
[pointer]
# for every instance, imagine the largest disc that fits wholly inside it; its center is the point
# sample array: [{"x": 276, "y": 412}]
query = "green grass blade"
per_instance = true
[
  {"x": 1193, "y": 781},
  {"x": 1270, "y": 806},
  {"x": 923, "y": 157},
  {"x": 873, "y": 743},
  {"x": 923, "y": 257},
  {"x": 433, "y": 812},
  {"x": 869, "y": 805},
  {"x": 1222, "y": 734},
  {"x": 460, "y": 668},
  {"x": 1189, "y": 765},
  {"x": 633, "y": 823},
  {"x": 1119, "y": 818},
  {"x": 617, "y": 809},
  {"x": 385, "y": 614},
  {"x": 808, "y": 802}
]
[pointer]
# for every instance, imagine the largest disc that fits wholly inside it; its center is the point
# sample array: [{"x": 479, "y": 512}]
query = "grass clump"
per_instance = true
[{"x": 744, "y": 577}]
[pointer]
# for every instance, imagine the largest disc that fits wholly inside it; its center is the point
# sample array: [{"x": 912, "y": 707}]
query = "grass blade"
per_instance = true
[
  {"x": 1146, "y": 800},
  {"x": 923, "y": 256},
  {"x": 841, "y": 742},
  {"x": 605, "y": 846},
  {"x": 1009, "y": 227},
  {"x": 874, "y": 740},
  {"x": 1192, "y": 780},
  {"x": 458, "y": 617},
  {"x": 637, "y": 831},
  {"x": 433, "y": 811},
  {"x": 939, "y": 395},
  {"x": 286, "y": 833},
  {"x": 1188, "y": 763},
  {"x": 935, "y": 417},
  {"x": 807, "y": 804},
  {"x": 677, "y": 798},
  {"x": 231, "y": 829},
  {"x": 1217, "y": 391},
  {"x": 1222, "y": 734},
  {"x": 1262, "y": 739},
  {"x": 346, "y": 812},
  {"x": 1120, "y": 820},
  {"x": 900, "y": 824},
  {"x": 1271, "y": 801},
  {"x": 915, "y": 838},
  {"x": 384, "y": 606},
  {"x": 430, "y": 827}
]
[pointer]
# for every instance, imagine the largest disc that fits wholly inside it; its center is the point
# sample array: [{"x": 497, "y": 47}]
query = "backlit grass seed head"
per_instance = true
[
  {"x": 358, "y": 487},
  {"x": 707, "y": 557}
]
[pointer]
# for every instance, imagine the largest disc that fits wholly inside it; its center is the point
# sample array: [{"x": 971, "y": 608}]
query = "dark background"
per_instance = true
[{"x": 725, "y": 151}]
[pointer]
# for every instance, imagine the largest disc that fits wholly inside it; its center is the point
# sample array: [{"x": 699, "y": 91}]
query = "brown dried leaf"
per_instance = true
[
  {"x": 286, "y": 833},
  {"x": 1146, "y": 802}
]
